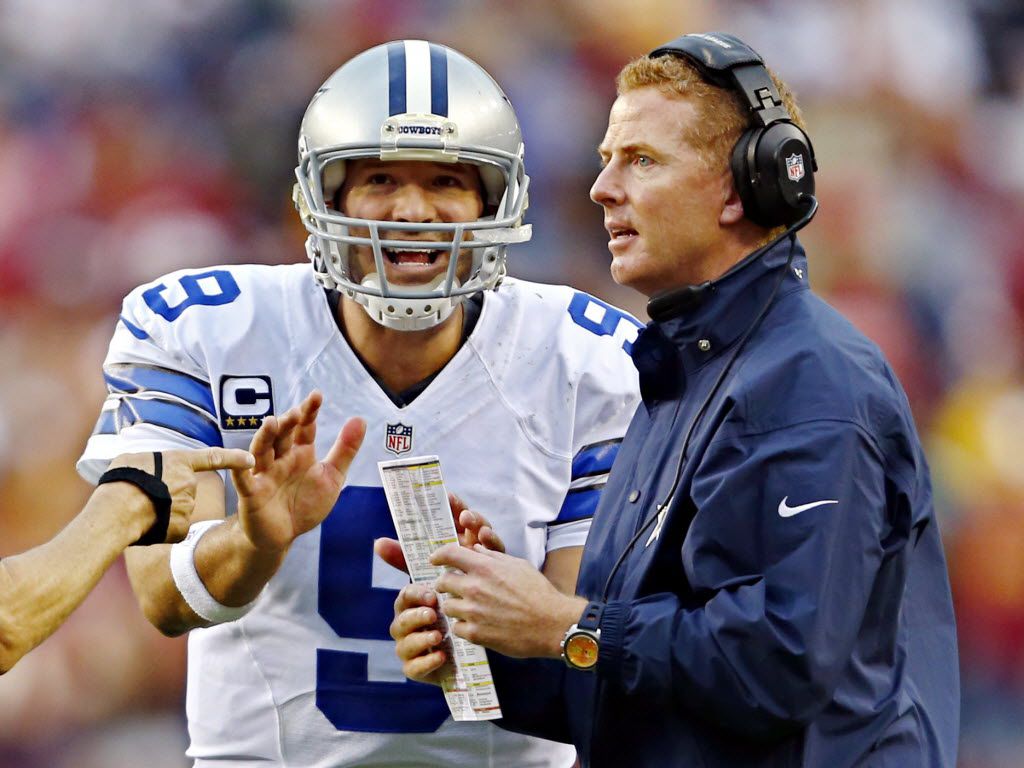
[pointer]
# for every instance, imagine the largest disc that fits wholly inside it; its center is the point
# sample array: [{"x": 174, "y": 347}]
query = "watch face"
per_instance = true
[{"x": 581, "y": 651}]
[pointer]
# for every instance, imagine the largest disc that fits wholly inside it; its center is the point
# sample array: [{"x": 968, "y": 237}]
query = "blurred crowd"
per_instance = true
[{"x": 140, "y": 137}]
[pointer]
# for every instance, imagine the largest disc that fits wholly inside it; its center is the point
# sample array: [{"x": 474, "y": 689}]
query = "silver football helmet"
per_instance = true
[{"x": 411, "y": 100}]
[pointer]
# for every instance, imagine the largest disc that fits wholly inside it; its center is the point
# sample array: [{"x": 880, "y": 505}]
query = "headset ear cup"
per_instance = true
[
  {"x": 785, "y": 171},
  {"x": 741, "y": 173}
]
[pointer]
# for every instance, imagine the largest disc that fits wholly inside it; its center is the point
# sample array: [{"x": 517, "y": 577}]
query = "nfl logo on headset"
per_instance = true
[
  {"x": 398, "y": 438},
  {"x": 795, "y": 167}
]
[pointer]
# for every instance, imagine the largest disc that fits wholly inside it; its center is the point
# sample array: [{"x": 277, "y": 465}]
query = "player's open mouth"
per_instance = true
[{"x": 424, "y": 256}]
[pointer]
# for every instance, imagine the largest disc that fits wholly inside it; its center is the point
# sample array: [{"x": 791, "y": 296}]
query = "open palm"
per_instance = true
[{"x": 289, "y": 492}]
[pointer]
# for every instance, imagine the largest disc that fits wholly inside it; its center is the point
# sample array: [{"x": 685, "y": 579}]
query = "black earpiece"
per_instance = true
[{"x": 773, "y": 162}]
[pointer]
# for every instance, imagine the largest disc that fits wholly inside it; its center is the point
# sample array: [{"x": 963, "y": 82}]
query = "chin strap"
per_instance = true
[{"x": 406, "y": 314}]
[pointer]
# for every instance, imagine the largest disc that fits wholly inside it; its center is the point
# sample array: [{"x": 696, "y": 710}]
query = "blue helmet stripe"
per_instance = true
[
  {"x": 438, "y": 80},
  {"x": 396, "y": 79}
]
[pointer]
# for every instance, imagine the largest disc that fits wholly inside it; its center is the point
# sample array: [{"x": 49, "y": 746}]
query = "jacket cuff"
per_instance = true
[{"x": 613, "y": 631}]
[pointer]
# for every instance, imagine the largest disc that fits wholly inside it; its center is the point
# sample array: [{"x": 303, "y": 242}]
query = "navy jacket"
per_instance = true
[{"x": 793, "y": 606}]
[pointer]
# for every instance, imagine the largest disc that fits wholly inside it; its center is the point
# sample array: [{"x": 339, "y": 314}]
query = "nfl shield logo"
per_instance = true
[
  {"x": 795, "y": 167},
  {"x": 398, "y": 438}
]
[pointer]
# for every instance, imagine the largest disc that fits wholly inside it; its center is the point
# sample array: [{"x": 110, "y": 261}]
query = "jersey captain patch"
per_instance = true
[{"x": 245, "y": 401}]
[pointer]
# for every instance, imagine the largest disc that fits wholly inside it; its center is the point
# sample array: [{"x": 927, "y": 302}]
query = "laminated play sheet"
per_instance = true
[{"x": 423, "y": 519}]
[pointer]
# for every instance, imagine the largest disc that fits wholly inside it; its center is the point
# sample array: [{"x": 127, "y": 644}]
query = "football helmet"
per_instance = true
[{"x": 410, "y": 100}]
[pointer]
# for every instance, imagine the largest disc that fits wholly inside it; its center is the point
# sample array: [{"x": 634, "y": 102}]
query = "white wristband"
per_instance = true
[{"x": 190, "y": 585}]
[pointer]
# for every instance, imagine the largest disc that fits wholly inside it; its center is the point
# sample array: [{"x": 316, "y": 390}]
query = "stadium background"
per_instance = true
[{"x": 144, "y": 136}]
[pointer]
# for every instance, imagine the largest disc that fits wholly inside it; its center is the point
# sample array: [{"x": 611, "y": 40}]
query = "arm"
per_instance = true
[
  {"x": 784, "y": 596},
  {"x": 40, "y": 588},
  {"x": 285, "y": 495}
]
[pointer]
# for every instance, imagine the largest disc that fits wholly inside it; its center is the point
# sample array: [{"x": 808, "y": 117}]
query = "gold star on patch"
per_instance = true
[
  {"x": 253, "y": 421},
  {"x": 229, "y": 421}
]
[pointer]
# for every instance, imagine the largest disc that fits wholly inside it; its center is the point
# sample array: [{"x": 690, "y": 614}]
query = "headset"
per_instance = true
[{"x": 773, "y": 168}]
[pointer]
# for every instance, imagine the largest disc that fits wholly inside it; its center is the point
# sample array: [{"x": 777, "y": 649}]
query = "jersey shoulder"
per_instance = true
[
  {"x": 560, "y": 358},
  {"x": 556, "y": 325},
  {"x": 185, "y": 317}
]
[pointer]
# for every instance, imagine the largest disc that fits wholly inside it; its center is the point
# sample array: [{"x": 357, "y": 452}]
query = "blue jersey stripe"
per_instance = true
[
  {"x": 579, "y": 505},
  {"x": 438, "y": 80},
  {"x": 396, "y": 79},
  {"x": 105, "y": 424},
  {"x": 133, "y": 379},
  {"x": 174, "y": 416},
  {"x": 137, "y": 332},
  {"x": 595, "y": 459}
]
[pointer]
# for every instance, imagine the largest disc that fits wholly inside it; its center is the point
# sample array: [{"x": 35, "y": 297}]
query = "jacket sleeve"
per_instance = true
[
  {"x": 530, "y": 693},
  {"x": 782, "y": 555}
]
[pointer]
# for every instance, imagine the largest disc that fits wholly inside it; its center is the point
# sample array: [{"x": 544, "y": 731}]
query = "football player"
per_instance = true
[{"x": 412, "y": 187}]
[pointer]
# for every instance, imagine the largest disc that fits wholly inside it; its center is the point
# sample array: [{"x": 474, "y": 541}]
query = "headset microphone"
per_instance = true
[{"x": 671, "y": 303}]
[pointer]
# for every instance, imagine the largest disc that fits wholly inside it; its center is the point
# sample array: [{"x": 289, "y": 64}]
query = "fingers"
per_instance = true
[
  {"x": 457, "y": 505},
  {"x": 425, "y": 668},
  {"x": 262, "y": 445},
  {"x": 305, "y": 433},
  {"x": 390, "y": 551},
  {"x": 490, "y": 539},
  {"x": 417, "y": 633},
  {"x": 347, "y": 445},
  {"x": 457, "y": 556},
  {"x": 415, "y": 596},
  {"x": 208, "y": 459}
]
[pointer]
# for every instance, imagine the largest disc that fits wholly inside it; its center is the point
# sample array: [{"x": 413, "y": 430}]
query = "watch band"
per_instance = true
[{"x": 591, "y": 617}]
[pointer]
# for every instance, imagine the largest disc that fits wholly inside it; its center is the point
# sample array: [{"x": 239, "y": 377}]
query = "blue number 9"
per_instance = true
[
  {"x": 611, "y": 318},
  {"x": 227, "y": 291},
  {"x": 356, "y": 609}
]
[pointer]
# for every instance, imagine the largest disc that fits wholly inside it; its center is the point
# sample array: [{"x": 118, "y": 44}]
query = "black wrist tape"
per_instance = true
[{"x": 157, "y": 491}]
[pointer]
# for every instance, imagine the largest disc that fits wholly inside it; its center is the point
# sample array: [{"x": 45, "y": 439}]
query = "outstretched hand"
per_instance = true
[
  {"x": 289, "y": 492},
  {"x": 472, "y": 528}
]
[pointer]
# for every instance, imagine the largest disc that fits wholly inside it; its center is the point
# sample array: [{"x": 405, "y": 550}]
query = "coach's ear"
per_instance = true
[{"x": 732, "y": 206}]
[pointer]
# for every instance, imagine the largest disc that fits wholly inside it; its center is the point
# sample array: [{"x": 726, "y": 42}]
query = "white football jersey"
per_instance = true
[{"x": 526, "y": 419}]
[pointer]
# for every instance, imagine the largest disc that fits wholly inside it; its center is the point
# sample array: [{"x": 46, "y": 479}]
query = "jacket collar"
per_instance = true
[{"x": 687, "y": 337}]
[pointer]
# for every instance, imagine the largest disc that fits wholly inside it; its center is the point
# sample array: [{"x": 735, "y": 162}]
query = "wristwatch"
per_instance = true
[{"x": 582, "y": 641}]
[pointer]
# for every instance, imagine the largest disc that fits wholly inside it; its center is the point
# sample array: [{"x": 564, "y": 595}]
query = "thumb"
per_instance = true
[
  {"x": 347, "y": 445},
  {"x": 206, "y": 459}
]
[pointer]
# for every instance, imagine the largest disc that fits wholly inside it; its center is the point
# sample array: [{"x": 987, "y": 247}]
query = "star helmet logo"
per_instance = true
[
  {"x": 795, "y": 167},
  {"x": 398, "y": 438}
]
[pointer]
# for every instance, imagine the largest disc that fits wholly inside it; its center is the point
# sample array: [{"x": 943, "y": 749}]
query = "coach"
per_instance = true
[{"x": 764, "y": 583}]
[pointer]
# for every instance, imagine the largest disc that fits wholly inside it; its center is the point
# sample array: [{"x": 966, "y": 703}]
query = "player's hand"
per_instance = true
[
  {"x": 503, "y": 602},
  {"x": 419, "y": 636},
  {"x": 472, "y": 528},
  {"x": 289, "y": 492},
  {"x": 180, "y": 474}
]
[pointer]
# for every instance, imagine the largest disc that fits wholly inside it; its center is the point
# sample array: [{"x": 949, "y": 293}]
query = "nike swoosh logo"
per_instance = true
[{"x": 787, "y": 511}]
